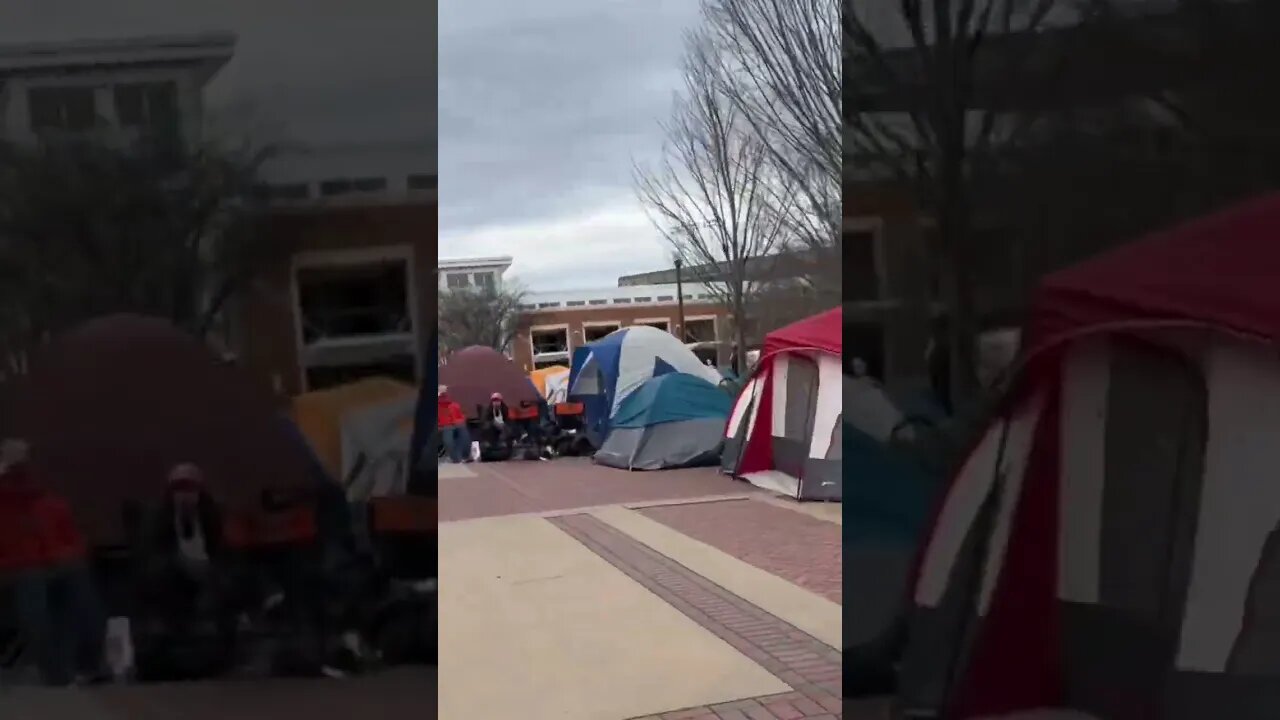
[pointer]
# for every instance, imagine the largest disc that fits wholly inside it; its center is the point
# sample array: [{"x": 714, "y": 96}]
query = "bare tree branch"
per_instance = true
[
  {"x": 158, "y": 228},
  {"x": 711, "y": 195},
  {"x": 933, "y": 75},
  {"x": 780, "y": 67},
  {"x": 487, "y": 316}
]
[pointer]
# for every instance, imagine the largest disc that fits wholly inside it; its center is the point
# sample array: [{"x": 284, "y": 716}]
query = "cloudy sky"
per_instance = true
[
  {"x": 317, "y": 71},
  {"x": 543, "y": 106}
]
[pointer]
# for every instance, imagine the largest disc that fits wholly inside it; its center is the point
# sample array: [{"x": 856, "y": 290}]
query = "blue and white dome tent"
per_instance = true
[{"x": 606, "y": 371}]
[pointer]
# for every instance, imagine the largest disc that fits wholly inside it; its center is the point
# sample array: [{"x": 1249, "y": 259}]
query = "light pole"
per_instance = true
[{"x": 678, "y": 261}]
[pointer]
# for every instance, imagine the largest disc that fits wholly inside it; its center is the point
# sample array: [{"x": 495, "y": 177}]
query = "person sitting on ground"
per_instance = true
[
  {"x": 453, "y": 426},
  {"x": 43, "y": 559},
  {"x": 186, "y": 576},
  {"x": 496, "y": 430}
]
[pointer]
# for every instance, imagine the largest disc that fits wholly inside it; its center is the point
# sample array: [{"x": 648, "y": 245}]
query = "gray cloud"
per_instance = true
[{"x": 543, "y": 108}]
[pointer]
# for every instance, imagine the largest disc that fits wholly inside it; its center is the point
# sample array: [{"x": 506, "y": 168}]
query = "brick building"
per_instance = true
[
  {"x": 340, "y": 293},
  {"x": 554, "y": 323}
]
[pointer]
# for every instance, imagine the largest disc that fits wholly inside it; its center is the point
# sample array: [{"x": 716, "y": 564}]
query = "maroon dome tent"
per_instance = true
[
  {"x": 110, "y": 406},
  {"x": 474, "y": 373}
]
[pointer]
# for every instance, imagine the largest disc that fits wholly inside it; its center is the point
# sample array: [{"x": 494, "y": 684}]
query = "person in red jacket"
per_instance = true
[
  {"x": 453, "y": 426},
  {"x": 43, "y": 561}
]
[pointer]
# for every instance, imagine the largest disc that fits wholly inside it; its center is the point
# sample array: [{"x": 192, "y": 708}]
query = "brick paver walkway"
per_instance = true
[
  {"x": 511, "y": 488},
  {"x": 809, "y": 666},
  {"x": 792, "y": 545}
]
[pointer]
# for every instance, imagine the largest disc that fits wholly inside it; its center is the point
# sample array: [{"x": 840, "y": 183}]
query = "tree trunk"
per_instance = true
[
  {"x": 957, "y": 293},
  {"x": 740, "y": 335}
]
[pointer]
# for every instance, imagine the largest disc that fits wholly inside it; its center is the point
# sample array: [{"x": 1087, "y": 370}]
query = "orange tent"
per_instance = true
[
  {"x": 542, "y": 375},
  {"x": 319, "y": 414}
]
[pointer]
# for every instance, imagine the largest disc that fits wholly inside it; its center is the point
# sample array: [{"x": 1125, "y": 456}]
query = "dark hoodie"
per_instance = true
[{"x": 166, "y": 530}]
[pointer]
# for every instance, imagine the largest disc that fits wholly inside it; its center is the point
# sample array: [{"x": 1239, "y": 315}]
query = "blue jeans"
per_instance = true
[
  {"x": 457, "y": 440},
  {"x": 62, "y": 620}
]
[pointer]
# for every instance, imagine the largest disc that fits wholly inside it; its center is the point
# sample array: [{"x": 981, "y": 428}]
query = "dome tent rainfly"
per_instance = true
[
  {"x": 672, "y": 420},
  {"x": 606, "y": 371},
  {"x": 474, "y": 373},
  {"x": 112, "y": 405},
  {"x": 1110, "y": 545}
]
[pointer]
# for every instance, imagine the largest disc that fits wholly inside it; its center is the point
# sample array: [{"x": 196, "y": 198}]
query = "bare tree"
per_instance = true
[
  {"x": 487, "y": 315},
  {"x": 781, "y": 70},
  {"x": 926, "y": 111},
  {"x": 159, "y": 227},
  {"x": 710, "y": 195}
]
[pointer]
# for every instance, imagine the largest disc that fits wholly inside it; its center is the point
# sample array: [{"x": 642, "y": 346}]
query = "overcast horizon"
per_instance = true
[{"x": 543, "y": 109}]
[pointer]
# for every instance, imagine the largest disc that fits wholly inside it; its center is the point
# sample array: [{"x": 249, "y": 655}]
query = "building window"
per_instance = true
[
  {"x": 575, "y": 303},
  {"x": 861, "y": 270},
  {"x": 422, "y": 181},
  {"x": 456, "y": 281},
  {"x": 284, "y": 191},
  {"x": 346, "y": 300},
  {"x": 62, "y": 108},
  {"x": 622, "y": 301},
  {"x": 644, "y": 299},
  {"x": 597, "y": 302},
  {"x": 554, "y": 340},
  {"x": 400, "y": 367},
  {"x": 592, "y": 333},
  {"x": 153, "y": 104},
  {"x": 347, "y": 186},
  {"x": 484, "y": 280},
  {"x": 704, "y": 296},
  {"x": 663, "y": 325},
  {"x": 865, "y": 341},
  {"x": 366, "y": 185},
  {"x": 543, "y": 306},
  {"x": 666, "y": 298},
  {"x": 700, "y": 330}
]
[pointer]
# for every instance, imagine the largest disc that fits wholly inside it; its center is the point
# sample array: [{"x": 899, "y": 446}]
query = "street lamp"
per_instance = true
[{"x": 679, "y": 262}]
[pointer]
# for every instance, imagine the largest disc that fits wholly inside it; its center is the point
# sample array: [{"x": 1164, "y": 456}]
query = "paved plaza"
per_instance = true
[{"x": 576, "y": 592}]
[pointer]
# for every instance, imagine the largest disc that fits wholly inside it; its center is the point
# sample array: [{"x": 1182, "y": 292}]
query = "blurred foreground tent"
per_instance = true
[{"x": 110, "y": 406}]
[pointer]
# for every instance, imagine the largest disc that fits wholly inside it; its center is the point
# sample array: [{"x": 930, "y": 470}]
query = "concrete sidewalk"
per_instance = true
[
  {"x": 574, "y": 592},
  {"x": 536, "y": 626}
]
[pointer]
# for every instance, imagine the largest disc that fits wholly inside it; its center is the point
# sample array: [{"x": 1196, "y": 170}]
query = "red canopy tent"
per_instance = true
[
  {"x": 1141, "y": 363},
  {"x": 803, "y": 357},
  {"x": 824, "y": 331},
  {"x": 1221, "y": 270}
]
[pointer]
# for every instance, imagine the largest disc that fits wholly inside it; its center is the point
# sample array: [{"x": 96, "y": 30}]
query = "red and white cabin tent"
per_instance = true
[
  {"x": 1112, "y": 545},
  {"x": 784, "y": 433}
]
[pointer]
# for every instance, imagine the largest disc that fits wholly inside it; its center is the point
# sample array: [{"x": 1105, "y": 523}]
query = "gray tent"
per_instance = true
[{"x": 672, "y": 420}]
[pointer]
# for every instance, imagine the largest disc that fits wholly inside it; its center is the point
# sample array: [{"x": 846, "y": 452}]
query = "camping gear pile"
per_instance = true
[
  {"x": 111, "y": 406},
  {"x": 1110, "y": 546}
]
